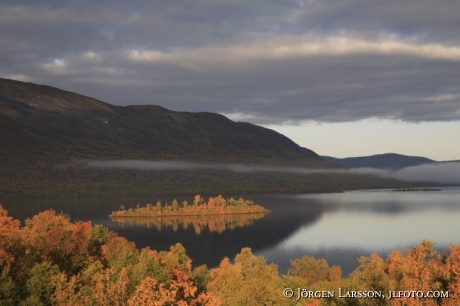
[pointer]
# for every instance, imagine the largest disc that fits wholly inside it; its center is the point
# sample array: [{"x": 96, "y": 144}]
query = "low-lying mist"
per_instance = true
[{"x": 448, "y": 173}]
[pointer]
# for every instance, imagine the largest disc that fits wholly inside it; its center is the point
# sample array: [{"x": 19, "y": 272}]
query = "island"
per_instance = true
[
  {"x": 416, "y": 189},
  {"x": 214, "y": 206}
]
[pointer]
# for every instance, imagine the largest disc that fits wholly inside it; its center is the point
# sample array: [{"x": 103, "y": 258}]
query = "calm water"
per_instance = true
[{"x": 337, "y": 227}]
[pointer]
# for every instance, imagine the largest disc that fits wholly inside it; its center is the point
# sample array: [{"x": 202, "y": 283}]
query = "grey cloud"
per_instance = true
[
  {"x": 448, "y": 173},
  {"x": 420, "y": 19},
  {"x": 391, "y": 59}
]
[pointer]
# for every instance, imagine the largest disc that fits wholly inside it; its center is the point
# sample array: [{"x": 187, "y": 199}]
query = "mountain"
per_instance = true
[
  {"x": 381, "y": 161},
  {"x": 68, "y": 126},
  {"x": 45, "y": 129}
]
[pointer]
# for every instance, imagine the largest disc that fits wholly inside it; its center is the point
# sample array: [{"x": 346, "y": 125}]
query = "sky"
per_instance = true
[{"x": 343, "y": 78}]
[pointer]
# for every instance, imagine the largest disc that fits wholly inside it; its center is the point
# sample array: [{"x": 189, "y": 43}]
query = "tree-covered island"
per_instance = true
[{"x": 214, "y": 206}]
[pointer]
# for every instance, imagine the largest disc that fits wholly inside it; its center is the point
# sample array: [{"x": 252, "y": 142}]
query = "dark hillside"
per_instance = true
[
  {"x": 70, "y": 126},
  {"x": 44, "y": 128}
]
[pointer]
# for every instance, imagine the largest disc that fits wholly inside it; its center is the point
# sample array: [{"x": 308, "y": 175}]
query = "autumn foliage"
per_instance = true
[
  {"x": 214, "y": 206},
  {"x": 52, "y": 261}
]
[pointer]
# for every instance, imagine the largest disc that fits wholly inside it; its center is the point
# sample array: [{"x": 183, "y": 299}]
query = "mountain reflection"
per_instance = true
[{"x": 214, "y": 223}]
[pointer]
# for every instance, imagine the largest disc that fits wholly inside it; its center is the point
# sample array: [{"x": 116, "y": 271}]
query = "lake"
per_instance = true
[{"x": 339, "y": 227}]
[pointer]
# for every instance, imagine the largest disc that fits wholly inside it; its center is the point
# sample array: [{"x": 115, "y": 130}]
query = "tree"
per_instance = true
[
  {"x": 47, "y": 235},
  {"x": 79, "y": 244},
  {"x": 250, "y": 281},
  {"x": 452, "y": 275},
  {"x": 212, "y": 202},
  {"x": 197, "y": 200},
  {"x": 179, "y": 291},
  {"x": 201, "y": 277},
  {"x": 416, "y": 270},
  {"x": 38, "y": 285},
  {"x": 100, "y": 235},
  {"x": 220, "y": 201},
  {"x": 67, "y": 291},
  {"x": 9, "y": 235},
  {"x": 110, "y": 287},
  {"x": 9, "y": 294},
  {"x": 158, "y": 206},
  {"x": 175, "y": 205},
  {"x": 120, "y": 253},
  {"x": 369, "y": 276},
  {"x": 314, "y": 270}
]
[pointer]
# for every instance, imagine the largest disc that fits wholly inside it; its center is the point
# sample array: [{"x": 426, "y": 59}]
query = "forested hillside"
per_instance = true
[
  {"x": 66, "y": 126},
  {"x": 44, "y": 130}
]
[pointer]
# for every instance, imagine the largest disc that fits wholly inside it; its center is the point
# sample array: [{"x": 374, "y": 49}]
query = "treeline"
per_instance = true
[
  {"x": 48, "y": 179},
  {"x": 52, "y": 261},
  {"x": 215, "y": 206}
]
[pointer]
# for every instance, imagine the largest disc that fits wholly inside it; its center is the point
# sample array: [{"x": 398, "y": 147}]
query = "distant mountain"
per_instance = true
[
  {"x": 450, "y": 161},
  {"x": 381, "y": 161}
]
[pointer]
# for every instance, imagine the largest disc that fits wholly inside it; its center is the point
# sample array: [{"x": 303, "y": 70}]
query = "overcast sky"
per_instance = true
[{"x": 343, "y": 78}]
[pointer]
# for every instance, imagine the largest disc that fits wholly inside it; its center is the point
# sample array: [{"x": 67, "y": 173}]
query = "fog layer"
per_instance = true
[{"x": 448, "y": 173}]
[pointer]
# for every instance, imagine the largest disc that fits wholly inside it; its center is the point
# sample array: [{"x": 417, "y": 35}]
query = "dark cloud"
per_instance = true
[{"x": 268, "y": 62}]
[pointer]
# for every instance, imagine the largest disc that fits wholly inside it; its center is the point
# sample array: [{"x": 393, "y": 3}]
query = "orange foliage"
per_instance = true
[
  {"x": 79, "y": 242},
  {"x": 179, "y": 291},
  {"x": 120, "y": 252},
  {"x": 110, "y": 288},
  {"x": 250, "y": 281},
  {"x": 67, "y": 291},
  {"x": 215, "y": 206},
  {"x": 55, "y": 239},
  {"x": 314, "y": 303},
  {"x": 452, "y": 274},
  {"x": 48, "y": 234},
  {"x": 315, "y": 270},
  {"x": 9, "y": 232},
  {"x": 212, "y": 203},
  {"x": 418, "y": 269}
]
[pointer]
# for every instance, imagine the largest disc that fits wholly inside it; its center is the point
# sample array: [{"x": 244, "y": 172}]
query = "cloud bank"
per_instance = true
[
  {"x": 271, "y": 62},
  {"x": 448, "y": 173}
]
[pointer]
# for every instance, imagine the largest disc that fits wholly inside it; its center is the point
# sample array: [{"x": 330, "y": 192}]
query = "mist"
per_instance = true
[{"x": 447, "y": 173}]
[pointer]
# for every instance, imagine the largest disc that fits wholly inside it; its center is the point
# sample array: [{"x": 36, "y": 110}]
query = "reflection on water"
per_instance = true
[
  {"x": 338, "y": 227},
  {"x": 213, "y": 223},
  {"x": 371, "y": 221}
]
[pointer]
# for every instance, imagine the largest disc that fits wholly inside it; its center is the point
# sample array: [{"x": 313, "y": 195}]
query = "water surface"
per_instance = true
[{"x": 338, "y": 227}]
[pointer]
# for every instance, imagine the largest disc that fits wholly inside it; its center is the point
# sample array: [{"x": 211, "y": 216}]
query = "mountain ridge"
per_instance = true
[
  {"x": 43, "y": 128},
  {"x": 391, "y": 161},
  {"x": 44, "y": 115}
]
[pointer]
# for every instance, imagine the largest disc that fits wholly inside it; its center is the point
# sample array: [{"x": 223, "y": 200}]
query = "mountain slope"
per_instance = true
[
  {"x": 381, "y": 161},
  {"x": 69, "y": 126},
  {"x": 43, "y": 129}
]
